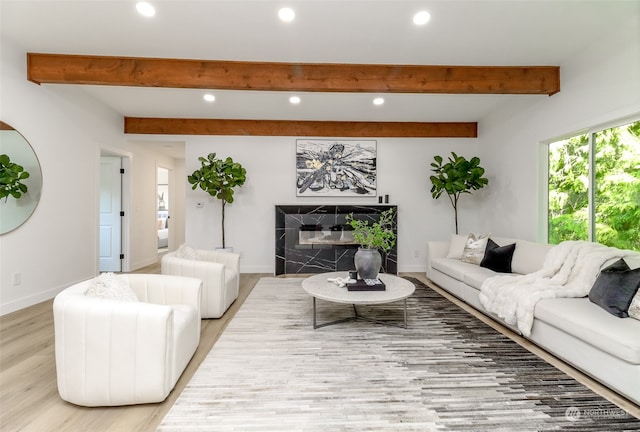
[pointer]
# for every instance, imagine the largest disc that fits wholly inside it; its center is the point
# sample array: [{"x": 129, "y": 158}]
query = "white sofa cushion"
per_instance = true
[
  {"x": 590, "y": 323},
  {"x": 453, "y": 267},
  {"x": 475, "y": 277}
]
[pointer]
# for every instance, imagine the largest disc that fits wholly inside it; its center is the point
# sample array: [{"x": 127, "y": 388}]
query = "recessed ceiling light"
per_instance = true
[
  {"x": 378, "y": 101},
  {"x": 294, "y": 99},
  {"x": 145, "y": 9},
  {"x": 421, "y": 18},
  {"x": 286, "y": 14},
  {"x": 209, "y": 97}
]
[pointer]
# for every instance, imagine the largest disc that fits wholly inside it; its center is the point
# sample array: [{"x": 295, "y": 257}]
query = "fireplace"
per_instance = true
[{"x": 317, "y": 239}]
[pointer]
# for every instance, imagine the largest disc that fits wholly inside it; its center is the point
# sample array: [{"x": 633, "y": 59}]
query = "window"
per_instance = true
[{"x": 594, "y": 187}]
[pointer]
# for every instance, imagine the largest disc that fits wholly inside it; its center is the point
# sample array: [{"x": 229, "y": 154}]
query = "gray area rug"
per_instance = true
[{"x": 271, "y": 371}]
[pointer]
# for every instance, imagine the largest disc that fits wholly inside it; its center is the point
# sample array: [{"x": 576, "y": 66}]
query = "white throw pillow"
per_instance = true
[
  {"x": 111, "y": 286},
  {"x": 186, "y": 252},
  {"x": 456, "y": 246},
  {"x": 474, "y": 249}
]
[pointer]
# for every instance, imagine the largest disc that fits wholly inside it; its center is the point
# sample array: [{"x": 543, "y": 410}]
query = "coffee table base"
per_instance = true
[{"x": 356, "y": 316}]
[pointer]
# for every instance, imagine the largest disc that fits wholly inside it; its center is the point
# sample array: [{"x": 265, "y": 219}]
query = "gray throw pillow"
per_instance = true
[{"x": 615, "y": 288}]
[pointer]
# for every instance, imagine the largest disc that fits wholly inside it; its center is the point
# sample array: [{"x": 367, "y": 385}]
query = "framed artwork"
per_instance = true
[{"x": 336, "y": 167}]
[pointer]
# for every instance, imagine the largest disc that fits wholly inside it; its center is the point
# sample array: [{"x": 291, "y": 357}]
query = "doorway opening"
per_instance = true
[
  {"x": 111, "y": 213},
  {"x": 163, "y": 207}
]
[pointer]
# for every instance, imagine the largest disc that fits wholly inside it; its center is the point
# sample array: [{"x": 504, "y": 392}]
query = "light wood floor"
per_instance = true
[{"x": 29, "y": 399}]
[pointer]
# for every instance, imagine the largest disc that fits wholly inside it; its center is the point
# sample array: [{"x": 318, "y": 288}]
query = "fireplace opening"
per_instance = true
[{"x": 319, "y": 235}]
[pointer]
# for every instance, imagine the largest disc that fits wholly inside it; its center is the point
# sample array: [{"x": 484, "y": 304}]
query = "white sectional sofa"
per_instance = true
[{"x": 574, "y": 329}]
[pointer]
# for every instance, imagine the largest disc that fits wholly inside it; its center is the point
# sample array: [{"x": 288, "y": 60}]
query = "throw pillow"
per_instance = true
[
  {"x": 186, "y": 252},
  {"x": 634, "y": 308},
  {"x": 474, "y": 249},
  {"x": 456, "y": 246},
  {"x": 498, "y": 258},
  {"x": 615, "y": 288},
  {"x": 111, "y": 286}
]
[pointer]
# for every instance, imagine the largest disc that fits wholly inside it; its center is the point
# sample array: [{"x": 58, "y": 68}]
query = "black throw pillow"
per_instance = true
[
  {"x": 615, "y": 288},
  {"x": 498, "y": 258}
]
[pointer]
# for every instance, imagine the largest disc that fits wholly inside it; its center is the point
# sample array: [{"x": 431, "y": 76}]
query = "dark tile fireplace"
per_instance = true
[{"x": 316, "y": 239}]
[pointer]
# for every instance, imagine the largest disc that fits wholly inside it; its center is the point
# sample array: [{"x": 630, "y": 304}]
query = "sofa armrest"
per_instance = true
[
  {"x": 95, "y": 340},
  {"x": 229, "y": 259},
  {"x": 436, "y": 249}
]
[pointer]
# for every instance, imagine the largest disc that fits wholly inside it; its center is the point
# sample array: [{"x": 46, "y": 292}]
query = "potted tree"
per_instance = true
[
  {"x": 456, "y": 177},
  {"x": 372, "y": 238},
  {"x": 218, "y": 177}
]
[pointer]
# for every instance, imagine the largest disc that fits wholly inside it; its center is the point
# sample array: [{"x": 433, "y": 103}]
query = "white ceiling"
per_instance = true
[{"x": 472, "y": 32}]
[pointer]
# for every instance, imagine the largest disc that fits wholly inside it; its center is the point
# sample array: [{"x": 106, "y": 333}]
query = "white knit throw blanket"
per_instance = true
[{"x": 569, "y": 270}]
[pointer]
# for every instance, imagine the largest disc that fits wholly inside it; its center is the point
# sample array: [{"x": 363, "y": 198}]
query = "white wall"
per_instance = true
[
  {"x": 58, "y": 245},
  {"x": 403, "y": 173},
  {"x": 598, "y": 85}
]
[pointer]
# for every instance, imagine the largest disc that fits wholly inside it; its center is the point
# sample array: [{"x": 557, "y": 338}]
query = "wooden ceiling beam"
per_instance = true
[
  {"x": 304, "y": 77},
  {"x": 167, "y": 126}
]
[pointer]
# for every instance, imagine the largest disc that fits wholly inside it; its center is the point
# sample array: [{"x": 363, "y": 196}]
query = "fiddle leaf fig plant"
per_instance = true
[
  {"x": 218, "y": 177},
  {"x": 455, "y": 177},
  {"x": 11, "y": 176},
  {"x": 378, "y": 235}
]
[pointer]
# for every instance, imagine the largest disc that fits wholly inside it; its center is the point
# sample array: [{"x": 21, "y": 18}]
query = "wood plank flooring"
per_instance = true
[{"x": 29, "y": 398}]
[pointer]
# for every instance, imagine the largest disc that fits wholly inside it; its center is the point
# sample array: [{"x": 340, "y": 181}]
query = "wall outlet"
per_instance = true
[
  {"x": 416, "y": 253},
  {"x": 17, "y": 278}
]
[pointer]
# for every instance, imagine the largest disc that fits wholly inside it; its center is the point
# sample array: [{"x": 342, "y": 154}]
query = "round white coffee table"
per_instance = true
[{"x": 319, "y": 287}]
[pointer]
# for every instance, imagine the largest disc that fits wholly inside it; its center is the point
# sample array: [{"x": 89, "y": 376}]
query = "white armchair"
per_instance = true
[
  {"x": 220, "y": 275},
  {"x": 113, "y": 352}
]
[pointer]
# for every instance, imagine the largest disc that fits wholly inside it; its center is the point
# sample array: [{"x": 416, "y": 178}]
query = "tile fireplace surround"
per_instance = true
[{"x": 316, "y": 239}]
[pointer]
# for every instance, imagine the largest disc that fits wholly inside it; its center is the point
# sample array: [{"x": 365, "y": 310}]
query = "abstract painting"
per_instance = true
[{"x": 335, "y": 167}]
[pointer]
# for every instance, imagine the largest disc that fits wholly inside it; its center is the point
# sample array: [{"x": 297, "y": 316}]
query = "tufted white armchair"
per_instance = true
[
  {"x": 113, "y": 352},
  {"x": 220, "y": 275}
]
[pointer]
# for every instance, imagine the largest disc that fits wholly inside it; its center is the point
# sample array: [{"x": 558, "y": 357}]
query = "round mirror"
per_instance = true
[{"x": 20, "y": 179}]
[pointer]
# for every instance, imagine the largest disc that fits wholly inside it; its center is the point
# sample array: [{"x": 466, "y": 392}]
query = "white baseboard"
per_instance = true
[
  {"x": 421, "y": 268},
  {"x": 256, "y": 269}
]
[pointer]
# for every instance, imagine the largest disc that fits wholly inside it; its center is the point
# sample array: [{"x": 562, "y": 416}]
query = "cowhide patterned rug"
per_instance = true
[{"x": 271, "y": 371}]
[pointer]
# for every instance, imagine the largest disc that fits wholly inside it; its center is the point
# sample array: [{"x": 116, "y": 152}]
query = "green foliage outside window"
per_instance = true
[{"x": 617, "y": 188}]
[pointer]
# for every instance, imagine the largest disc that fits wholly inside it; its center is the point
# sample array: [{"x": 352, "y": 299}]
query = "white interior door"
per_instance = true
[{"x": 110, "y": 219}]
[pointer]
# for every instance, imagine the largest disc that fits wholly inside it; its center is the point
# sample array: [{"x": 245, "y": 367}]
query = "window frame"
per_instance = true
[{"x": 543, "y": 226}]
